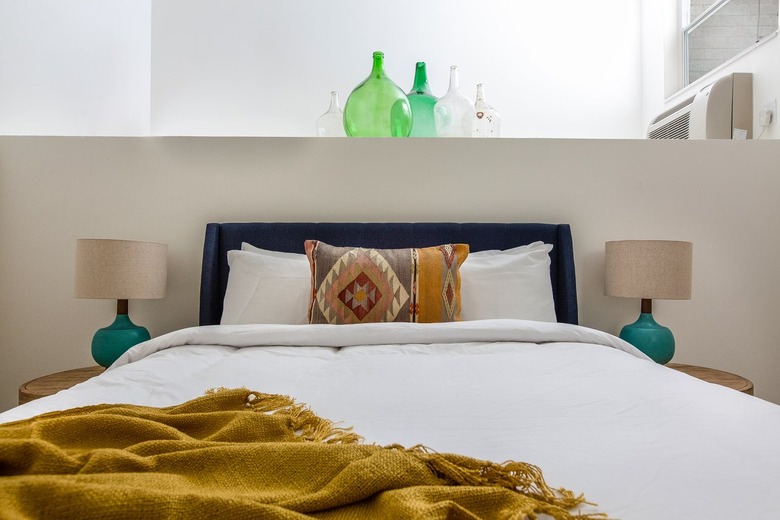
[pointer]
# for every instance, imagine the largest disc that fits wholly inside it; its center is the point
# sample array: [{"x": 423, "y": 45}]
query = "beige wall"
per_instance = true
[{"x": 721, "y": 195}]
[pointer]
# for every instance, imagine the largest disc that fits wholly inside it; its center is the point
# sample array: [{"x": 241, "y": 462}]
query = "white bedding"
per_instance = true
[{"x": 641, "y": 440}]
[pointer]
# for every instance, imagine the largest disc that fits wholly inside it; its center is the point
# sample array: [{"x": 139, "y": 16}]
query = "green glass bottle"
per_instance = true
[
  {"x": 377, "y": 107},
  {"x": 422, "y": 102}
]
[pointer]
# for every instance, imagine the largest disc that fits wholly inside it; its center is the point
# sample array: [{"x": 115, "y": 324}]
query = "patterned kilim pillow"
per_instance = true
[{"x": 356, "y": 285}]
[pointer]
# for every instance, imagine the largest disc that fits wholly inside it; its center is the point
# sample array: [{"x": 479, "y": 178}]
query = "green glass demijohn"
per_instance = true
[
  {"x": 422, "y": 102},
  {"x": 377, "y": 107}
]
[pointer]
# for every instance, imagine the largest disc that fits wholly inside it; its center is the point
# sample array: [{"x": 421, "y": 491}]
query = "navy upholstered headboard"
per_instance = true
[{"x": 289, "y": 237}]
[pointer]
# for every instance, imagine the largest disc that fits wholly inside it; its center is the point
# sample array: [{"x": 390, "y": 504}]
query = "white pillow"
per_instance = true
[
  {"x": 277, "y": 254},
  {"x": 514, "y": 283},
  {"x": 266, "y": 287},
  {"x": 274, "y": 287}
]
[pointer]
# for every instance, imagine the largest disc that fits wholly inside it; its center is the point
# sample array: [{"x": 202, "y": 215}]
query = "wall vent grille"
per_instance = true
[
  {"x": 675, "y": 126},
  {"x": 721, "y": 110}
]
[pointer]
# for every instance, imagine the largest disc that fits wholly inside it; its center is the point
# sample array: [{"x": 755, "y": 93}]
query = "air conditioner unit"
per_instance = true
[{"x": 721, "y": 110}]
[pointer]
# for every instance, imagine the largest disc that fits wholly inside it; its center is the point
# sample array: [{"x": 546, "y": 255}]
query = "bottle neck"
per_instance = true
[
  {"x": 480, "y": 94},
  {"x": 334, "y": 101},
  {"x": 421, "y": 79},
  {"x": 378, "y": 68},
  {"x": 453, "y": 77}
]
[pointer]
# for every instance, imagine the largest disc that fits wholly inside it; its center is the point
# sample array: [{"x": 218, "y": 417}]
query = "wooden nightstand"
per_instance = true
[
  {"x": 716, "y": 376},
  {"x": 53, "y": 383}
]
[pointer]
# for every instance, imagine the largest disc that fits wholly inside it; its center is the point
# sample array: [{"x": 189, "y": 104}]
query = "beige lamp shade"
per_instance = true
[
  {"x": 120, "y": 269},
  {"x": 648, "y": 269}
]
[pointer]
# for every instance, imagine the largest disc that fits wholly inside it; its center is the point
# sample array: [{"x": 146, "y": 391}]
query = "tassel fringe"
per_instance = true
[
  {"x": 521, "y": 477},
  {"x": 308, "y": 426}
]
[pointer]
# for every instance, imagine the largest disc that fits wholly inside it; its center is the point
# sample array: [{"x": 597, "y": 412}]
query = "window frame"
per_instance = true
[{"x": 689, "y": 25}]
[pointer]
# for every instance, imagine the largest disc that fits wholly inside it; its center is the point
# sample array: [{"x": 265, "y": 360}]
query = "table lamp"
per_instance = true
[
  {"x": 122, "y": 270},
  {"x": 649, "y": 269}
]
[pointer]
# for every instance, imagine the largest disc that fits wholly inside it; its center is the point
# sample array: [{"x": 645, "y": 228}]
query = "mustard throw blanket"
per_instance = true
[{"x": 241, "y": 454}]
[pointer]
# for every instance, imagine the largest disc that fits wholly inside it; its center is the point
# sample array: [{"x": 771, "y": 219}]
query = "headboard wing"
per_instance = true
[{"x": 289, "y": 237}]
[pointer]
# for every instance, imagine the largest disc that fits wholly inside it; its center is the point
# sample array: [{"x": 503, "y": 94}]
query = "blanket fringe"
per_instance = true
[
  {"x": 521, "y": 477},
  {"x": 307, "y": 425}
]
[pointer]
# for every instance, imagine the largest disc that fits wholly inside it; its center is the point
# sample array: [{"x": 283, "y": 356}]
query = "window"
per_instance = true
[{"x": 715, "y": 31}]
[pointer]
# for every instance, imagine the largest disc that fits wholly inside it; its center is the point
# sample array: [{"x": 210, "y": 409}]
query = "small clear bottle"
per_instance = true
[
  {"x": 331, "y": 123},
  {"x": 454, "y": 112},
  {"x": 487, "y": 120}
]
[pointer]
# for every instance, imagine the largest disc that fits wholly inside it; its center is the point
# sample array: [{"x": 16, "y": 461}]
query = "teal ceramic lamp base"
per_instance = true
[
  {"x": 111, "y": 342},
  {"x": 655, "y": 340}
]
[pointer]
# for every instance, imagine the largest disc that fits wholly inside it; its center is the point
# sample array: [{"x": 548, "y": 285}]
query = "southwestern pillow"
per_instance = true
[{"x": 357, "y": 285}]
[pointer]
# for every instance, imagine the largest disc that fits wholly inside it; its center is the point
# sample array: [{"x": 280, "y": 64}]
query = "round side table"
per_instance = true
[
  {"x": 719, "y": 377},
  {"x": 53, "y": 383}
]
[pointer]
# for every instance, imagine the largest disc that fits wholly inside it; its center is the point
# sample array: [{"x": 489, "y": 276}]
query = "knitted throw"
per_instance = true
[{"x": 242, "y": 454}]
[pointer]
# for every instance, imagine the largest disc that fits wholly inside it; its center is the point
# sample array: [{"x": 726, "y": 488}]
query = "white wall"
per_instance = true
[
  {"x": 720, "y": 195},
  {"x": 266, "y": 67},
  {"x": 76, "y": 67}
]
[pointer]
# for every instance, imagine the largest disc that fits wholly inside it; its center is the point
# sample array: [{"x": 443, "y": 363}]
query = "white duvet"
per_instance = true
[{"x": 641, "y": 440}]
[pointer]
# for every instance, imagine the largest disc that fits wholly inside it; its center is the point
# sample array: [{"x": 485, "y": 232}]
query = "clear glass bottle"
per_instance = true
[
  {"x": 487, "y": 120},
  {"x": 331, "y": 123},
  {"x": 422, "y": 102},
  {"x": 377, "y": 107},
  {"x": 454, "y": 112}
]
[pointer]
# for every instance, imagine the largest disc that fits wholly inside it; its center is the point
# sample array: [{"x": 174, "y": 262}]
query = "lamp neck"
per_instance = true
[
  {"x": 647, "y": 306},
  {"x": 122, "y": 307}
]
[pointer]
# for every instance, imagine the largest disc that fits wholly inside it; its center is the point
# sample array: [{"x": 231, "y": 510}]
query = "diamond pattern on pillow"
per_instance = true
[{"x": 358, "y": 285}]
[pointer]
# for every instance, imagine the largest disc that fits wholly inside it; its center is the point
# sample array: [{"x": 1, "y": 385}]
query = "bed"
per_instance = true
[{"x": 641, "y": 441}]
